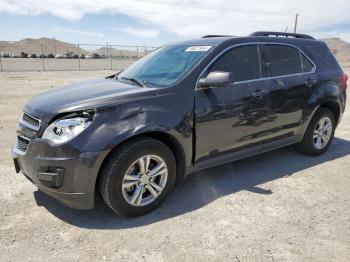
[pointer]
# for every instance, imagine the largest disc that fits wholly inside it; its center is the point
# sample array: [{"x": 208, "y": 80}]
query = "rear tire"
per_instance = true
[
  {"x": 319, "y": 134},
  {"x": 130, "y": 183}
]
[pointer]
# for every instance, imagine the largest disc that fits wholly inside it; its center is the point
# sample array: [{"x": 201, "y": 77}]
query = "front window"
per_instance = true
[
  {"x": 166, "y": 65},
  {"x": 242, "y": 62}
]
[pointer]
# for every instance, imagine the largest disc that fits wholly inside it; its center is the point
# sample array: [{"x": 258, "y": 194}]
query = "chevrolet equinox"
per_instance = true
[{"x": 182, "y": 108}]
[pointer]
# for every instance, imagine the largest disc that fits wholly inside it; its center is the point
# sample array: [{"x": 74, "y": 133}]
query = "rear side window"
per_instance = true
[
  {"x": 306, "y": 65},
  {"x": 242, "y": 61},
  {"x": 286, "y": 60}
]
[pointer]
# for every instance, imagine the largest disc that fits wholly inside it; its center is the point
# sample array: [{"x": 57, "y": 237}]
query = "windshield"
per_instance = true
[{"x": 165, "y": 65}]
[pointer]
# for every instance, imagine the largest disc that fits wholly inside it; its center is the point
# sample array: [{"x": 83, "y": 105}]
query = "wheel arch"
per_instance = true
[
  {"x": 327, "y": 97},
  {"x": 331, "y": 105},
  {"x": 164, "y": 137},
  {"x": 334, "y": 107}
]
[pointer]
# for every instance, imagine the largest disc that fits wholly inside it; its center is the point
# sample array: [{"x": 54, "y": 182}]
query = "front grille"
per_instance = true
[
  {"x": 30, "y": 122},
  {"x": 22, "y": 143}
]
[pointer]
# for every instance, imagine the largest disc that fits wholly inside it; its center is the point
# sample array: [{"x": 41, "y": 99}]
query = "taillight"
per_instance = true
[{"x": 343, "y": 81}]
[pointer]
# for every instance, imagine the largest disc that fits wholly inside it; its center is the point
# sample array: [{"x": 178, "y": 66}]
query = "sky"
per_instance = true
[{"x": 156, "y": 22}]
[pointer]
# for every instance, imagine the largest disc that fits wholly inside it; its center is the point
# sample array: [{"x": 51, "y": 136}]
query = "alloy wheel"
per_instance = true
[
  {"x": 322, "y": 133},
  {"x": 144, "y": 180}
]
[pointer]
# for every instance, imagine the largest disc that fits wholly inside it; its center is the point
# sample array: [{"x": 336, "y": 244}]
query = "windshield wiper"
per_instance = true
[
  {"x": 139, "y": 82},
  {"x": 117, "y": 74}
]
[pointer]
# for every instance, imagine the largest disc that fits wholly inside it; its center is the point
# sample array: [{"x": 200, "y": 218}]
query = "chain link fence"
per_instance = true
[
  {"x": 47, "y": 54},
  {"x": 59, "y": 56}
]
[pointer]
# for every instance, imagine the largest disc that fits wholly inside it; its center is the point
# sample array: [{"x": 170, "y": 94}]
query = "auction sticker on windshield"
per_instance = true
[{"x": 198, "y": 48}]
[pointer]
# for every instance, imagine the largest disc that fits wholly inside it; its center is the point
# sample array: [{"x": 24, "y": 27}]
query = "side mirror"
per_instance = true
[{"x": 216, "y": 78}]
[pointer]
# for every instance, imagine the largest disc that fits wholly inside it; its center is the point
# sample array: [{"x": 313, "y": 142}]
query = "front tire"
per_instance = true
[
  {"x": 319, "y": 134},
  {"x": 137, "y": 177}
]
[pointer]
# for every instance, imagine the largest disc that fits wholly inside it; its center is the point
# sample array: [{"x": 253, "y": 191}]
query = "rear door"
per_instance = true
[
  {"x": 234, "y": 115},
  {"x": 290, "y": 81}
]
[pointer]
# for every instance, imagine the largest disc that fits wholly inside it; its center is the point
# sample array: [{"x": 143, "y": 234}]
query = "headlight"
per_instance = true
[{"x": 63, "y": 130}]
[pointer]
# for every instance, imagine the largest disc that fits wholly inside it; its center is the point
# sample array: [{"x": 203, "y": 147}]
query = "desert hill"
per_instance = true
[
  {"x": 340, "y": 48},
  {"x": 50, "y": 45}
]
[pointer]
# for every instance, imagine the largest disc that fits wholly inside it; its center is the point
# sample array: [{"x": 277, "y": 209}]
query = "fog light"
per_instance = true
[{"x": 52, "y": 178}]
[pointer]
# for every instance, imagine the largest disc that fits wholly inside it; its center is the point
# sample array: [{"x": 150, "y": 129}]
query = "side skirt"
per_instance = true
[{"x": 243, "y": 153}]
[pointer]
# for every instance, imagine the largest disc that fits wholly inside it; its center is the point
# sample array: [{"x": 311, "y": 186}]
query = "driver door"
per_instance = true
[{"x": 234, "y": 115}]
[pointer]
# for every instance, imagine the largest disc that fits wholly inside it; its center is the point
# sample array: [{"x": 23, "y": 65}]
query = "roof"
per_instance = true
[{"x": 265, "y": 36}]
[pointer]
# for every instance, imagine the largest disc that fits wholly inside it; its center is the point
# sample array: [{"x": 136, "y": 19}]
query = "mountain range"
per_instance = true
[{"x": 45, "y": 45}]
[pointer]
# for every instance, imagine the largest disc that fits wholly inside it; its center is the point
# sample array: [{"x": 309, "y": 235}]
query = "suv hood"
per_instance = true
[{"x": 84, "y": 95}]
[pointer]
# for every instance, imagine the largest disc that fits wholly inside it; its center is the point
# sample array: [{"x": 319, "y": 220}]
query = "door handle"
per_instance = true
[
  {"x": 310, "y": 82},
  {"x": 259, "y": 93}
]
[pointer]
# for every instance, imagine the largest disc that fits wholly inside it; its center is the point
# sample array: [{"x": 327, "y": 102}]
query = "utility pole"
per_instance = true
[
  {"x": 79, "y": 56},
  {"x": 42, "y": 56},
  {"x": 110, "y": 54},
  {"x": 296, "y": 23}
]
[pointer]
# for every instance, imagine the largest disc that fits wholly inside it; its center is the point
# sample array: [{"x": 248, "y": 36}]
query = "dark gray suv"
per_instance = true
[{"x": 185, "y": 107}]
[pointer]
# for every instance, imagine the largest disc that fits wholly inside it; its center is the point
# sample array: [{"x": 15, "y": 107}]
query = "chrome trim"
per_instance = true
[
  {"x": 258, "y": 79},
  {"x": 26, "y": 124},
  {"x": 18, "y": 152}
]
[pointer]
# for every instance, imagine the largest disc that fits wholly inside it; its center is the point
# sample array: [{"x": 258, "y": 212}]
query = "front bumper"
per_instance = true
[
  {"x": 72, "y": 200},
  {"x": 73, "y": 173}
]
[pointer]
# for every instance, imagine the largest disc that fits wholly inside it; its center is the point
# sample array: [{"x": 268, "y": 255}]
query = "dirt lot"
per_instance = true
[{"x": 278, "y": 206}]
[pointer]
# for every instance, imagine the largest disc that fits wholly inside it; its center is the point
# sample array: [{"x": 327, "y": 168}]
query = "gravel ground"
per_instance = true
[{"x": 278, "y": 206}]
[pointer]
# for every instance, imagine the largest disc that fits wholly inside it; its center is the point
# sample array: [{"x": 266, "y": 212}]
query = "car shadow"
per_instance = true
[{"x": 202, "y": 188}]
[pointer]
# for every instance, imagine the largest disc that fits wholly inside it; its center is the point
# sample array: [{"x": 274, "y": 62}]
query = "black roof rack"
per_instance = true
[
  {"x": 277, "y": 34},
  {"x": 208, "y": 36}
]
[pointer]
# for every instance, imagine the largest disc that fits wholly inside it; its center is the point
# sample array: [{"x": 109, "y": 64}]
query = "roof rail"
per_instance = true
[
  {"x": 208, "y": 36},
  {"x": 277, "y": 34}
]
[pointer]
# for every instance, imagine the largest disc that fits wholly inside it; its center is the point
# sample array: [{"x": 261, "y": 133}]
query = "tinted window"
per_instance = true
[
  {"x": 307, "y": 66},
  {"x": 165, "y": 65},
  {"x": 284, "y": 60},
  {"x": 242, "y": 61}
]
